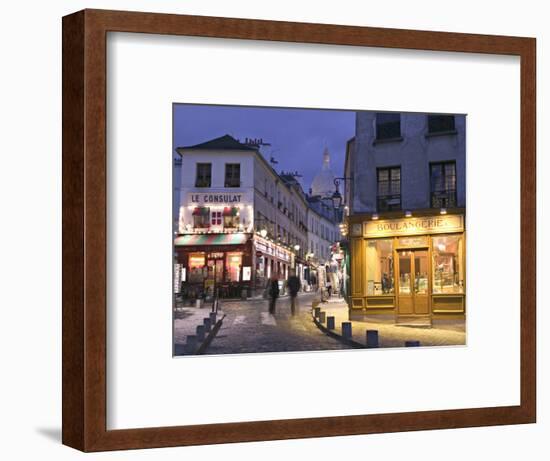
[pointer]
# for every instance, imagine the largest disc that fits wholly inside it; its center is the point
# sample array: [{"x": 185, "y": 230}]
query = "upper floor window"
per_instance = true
[
  {"x": 443, "y": 184},
  {"x": 201, "y": 217},
  {"x": 441, "y": 123},
  {"x": 232, "y": 175},
  {"x": 230, "y": 217},
  {"x": 388, "y": 188},
  {"x": 216, "y": 218},
  {"x": 388, "y": 125},
  {"x": 204, "y": 175}
]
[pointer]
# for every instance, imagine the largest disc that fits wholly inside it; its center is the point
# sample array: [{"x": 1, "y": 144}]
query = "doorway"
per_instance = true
[
  {"x": 412, "y": 280},
  {"x": 215, "y": 270}
]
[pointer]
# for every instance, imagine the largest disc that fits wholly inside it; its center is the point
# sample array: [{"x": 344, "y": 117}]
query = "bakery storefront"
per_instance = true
[{"x": 411, "y": 266}]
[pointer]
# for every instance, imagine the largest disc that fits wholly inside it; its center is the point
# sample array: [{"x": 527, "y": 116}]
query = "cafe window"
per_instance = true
[
  {"x": 388, "y": 125},
  {"x": 379, "y": 264},
  {"x": 231, "y": 217},
  {"x": 204, "y": 175},
  {"x": 448, "y": 270},
  {"x": 196, "y": 267},
  {"x": 388, "y": 188},
  {"x": 233, "y": 266},
  {"x": 232, "y": 175},
  {"x": 443, "y": 184},
  {"x": 441, "y": 123},
  {"x": 201, "y": 217}
]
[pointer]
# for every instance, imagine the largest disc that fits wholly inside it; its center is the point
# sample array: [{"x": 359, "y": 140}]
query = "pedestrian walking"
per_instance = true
[
  {"x": 273, "y": 292},
  {"x": 293, "y": 284}
]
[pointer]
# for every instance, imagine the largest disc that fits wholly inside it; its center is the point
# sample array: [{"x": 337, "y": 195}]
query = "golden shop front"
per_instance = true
[{"x": 409, "y": 267}]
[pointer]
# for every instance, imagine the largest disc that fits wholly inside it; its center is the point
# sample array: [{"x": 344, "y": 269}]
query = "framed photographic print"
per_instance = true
[{"x": 280, "y": 230}]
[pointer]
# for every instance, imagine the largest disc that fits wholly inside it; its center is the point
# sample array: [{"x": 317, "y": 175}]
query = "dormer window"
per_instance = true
[
  {"x": 441, "y": 124},
  {"x": 388, "y": 126}
]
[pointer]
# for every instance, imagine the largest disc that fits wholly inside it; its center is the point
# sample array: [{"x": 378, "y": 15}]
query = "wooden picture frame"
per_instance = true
[{"x": 85, "y": 222}]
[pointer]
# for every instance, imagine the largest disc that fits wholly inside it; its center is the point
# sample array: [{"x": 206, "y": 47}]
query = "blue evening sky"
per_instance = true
[{"x": 297, "y": 136}]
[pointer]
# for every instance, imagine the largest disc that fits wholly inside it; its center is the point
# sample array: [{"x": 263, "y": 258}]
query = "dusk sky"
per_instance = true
[{"x": 297, "y": 136}]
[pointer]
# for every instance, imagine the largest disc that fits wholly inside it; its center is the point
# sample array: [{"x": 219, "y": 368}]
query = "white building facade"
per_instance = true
[{"x": 239, "y": 221}]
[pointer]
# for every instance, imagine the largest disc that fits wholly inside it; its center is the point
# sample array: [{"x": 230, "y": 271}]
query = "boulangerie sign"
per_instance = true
[{"x": 410, "y": 226}]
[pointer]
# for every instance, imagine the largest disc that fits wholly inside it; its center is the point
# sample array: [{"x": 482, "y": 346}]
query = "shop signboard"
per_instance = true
[
  {"x": 414, "y": 226},
  {"x": 215, "y": 198}
]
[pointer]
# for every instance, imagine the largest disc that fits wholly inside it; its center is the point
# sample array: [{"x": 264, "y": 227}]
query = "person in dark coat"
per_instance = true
[
  {"x": 273, "y": 292},
  {"x": 329, "y": 288},
  {"x": 293, "y": 284}
]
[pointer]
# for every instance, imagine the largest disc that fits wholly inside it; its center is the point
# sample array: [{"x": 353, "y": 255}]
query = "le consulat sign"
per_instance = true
[
  {"x": 414, "y": 226},
  {"x": 213, "y": 198}
]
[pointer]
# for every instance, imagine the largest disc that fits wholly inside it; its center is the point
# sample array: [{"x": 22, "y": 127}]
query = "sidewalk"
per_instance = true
[
  {"x": 390, "y": 334},
  {"x": 186, "y": 320}
]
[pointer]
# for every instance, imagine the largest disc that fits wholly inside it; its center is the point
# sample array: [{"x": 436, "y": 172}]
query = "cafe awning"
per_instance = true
[
  {"x": 230, "y": 211},
  {"x": 201, "y": 211},
  {"x": 210, "y": 239}
]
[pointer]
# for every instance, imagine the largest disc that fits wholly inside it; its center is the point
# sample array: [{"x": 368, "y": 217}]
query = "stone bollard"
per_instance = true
[
  {"x": 346, "y": 330},
  {"x": 412, "y": 343},
  {"x": 372, "y": 338},
  {"x": 322, "y": 316},
  {"x": 200, "y": 333},
  {"x": 244, "y": 293},
  {"x": 207, "y": 324},
  {"x": 330, "y": 322},
  {"x": 212, "y": 318},
  {"x": 198, "y": 303},
  {"x": 317, "y": 312},
  {"x": 191, "y": 344}
]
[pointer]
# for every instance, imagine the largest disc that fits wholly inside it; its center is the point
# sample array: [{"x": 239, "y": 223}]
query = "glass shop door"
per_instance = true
[{"x": 412, "y": 292}]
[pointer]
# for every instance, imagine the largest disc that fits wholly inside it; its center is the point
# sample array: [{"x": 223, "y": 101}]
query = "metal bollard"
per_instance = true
[
  {"x": 207, "y": 324},
  {"x": 346, "y": 330},
  {"x": 212, "y": 318},
  {"x": 322, "y": 316},
  {"x": 330, "y": 322},
  {"x": 317, "y": 312},
  {"x": 412, "y": 343},
  {"x": 200, "y": 333},
  {"x": 372, "y": 338},
  {"x": 191, "y": 344}
]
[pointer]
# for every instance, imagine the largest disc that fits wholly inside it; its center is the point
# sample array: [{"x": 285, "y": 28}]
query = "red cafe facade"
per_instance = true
[{"x": 230, "y": 261}]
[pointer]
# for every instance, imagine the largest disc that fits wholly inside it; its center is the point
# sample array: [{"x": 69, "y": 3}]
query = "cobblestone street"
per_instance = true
[{"x": 248, "y": 328}]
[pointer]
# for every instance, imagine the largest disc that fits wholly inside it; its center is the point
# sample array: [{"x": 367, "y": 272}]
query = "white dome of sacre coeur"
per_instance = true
[{"x": 323, "y": 182}]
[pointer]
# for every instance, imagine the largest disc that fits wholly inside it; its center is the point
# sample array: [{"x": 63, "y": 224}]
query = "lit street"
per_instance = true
[{"x": 248, "y": 328}]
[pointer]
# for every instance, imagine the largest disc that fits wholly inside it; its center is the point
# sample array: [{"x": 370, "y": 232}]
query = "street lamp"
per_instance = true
[
  {"x": 263, "y": 233},
  {"x": 337, "y": 196},
  {"x": 297, "y": 247},
  {"x": 337, "y": 199}
]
